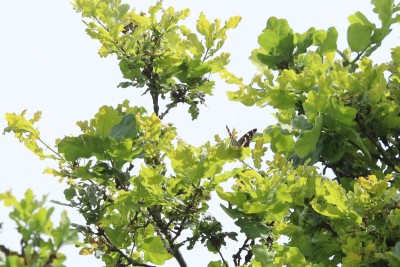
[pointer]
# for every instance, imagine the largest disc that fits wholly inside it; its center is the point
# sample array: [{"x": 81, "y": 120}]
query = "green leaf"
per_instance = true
[
  {"x": 203, "y": 25},
  {"x": 196, "y": 46},
  {"x": 328, "y": 44},
  {"x": 304, "y": 40},
  {"x": 336, "y": 195},
  {"x": 233, "y": 213},
  {"x": 355, "y": 137},
  {"x": 341, "y": 113},
  {"x": 223, "y": 177},
  {"x": 69, "y": 193},
  {"x": 19, "y": 124},
  {"x": 233, "y": 22},
  {"x": 8, "y": 198},
  {"x": 63, "y": 234},
  {"x": 117, "y": 235},
  {"x": 154, "y": 250},
  {"x": 277, "y": 43},
  {"x": 105, "y": 119},
  {"x": 40, "y": 219},
  {"x": 190, "y": 69},
  {"x": 396, "y": 251},
  {"x": 281, "y": 141},
  {"x": 207, "y": 29},
  {"x": 130, "y": 70},
  {"x": 294, "y": 257},
  {"x": 332, "y": 201},
  {"x": 282, "y": 98},
  {"x": 391, "y": 122},
  {"x": 359, "y": 37},
  {"x": 253, "y": 230},
  {"x": 396, "y": 54},
  {"x": 258, "y": 152},
  {"x": 237, "y": 198},
  {"x": 120, "y": 150},
  {"x": 360, "y": 18},
  {"x": 152, "y": 179},
  {"x": 262, "y": 254},
  {"x": 384, "y": 9},
  {"x": 254, "y": 207},
  {"x": 125, "y": 84},
  {"x": 125, "y": 129},
  {"x": 282, "y": 194},
  {"x": 309, "y": 139},
  {"x": 216, "y": 264},
  {"x": 83, "y": 146},
  {"x": 378, "y": 88},
  {"x": 123, "y": 9},
  {"x": 25, "y": 132}
]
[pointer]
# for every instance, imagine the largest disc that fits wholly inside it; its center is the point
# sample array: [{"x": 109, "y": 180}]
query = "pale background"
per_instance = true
[{"x": 48, "y": 63}]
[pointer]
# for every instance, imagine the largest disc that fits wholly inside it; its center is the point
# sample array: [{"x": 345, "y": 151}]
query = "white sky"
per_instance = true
[{"x": 48, "y": 63}]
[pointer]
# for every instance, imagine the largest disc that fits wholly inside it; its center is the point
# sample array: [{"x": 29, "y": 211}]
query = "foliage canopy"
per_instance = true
[{"x": 145, "y": 194}]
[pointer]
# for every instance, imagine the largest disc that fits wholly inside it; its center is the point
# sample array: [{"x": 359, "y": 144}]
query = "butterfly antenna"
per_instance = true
[{"x": 229, "y": 131}]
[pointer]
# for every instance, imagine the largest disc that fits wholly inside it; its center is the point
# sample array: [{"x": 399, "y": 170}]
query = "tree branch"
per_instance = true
[
  {"x": 236, "y": 257},
  {"x": 170, "y": 246},
  {"x": 101, "y": 233},
  {"x": 169, "y": 107},
  {"x": 8, "y": 252}
]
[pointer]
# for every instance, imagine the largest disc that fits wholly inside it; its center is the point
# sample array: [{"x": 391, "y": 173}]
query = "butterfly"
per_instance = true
[{"x": 243, "y": 141}]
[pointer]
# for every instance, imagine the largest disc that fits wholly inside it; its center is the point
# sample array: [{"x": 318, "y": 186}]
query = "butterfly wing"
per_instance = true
[{"x": 245, "y": 140}]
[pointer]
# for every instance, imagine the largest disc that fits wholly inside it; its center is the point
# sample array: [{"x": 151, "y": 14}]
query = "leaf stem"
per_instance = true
[{"x": 52, "y": 150}]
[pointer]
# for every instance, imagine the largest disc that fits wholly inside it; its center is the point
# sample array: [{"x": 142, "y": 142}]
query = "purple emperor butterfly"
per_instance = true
[{"x": 243, "y": 141}]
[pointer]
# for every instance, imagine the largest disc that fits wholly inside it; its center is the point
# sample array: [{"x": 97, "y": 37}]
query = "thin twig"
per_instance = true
[
  {"x": 169, "y": 107},
  {"x": 222, "y": 257}
]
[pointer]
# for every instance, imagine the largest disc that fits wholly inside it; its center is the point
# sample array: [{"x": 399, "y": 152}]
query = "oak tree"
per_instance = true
[{"x": 144, "y": 193}]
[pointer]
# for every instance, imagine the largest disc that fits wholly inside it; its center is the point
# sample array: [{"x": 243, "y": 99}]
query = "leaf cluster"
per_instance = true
[
  {"x": 137, "y": 187},
  {"x": 339, "y": 112},
  {"x": 40, "y": 240},
  {"x": 156, "y": 52},
  {"x": 323, "y": 223}
]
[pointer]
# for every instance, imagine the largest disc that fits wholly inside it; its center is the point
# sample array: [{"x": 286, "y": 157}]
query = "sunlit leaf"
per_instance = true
[
  {"x": 125, "y": 129},
  {"x": 154, "y": 250},
  {"x": 309, "y": 139},
  {"x": 359, "y": 37},
  {"x": 84, "y": 146},
  {"x": 253, "y": 229}
]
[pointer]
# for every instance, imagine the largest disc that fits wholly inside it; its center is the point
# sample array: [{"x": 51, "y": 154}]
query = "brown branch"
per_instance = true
[
  {"x": 169, "y": 107},
  {"x": 154, "y": 97},
  {"x": 52, "y": 257},
  {"x": 9, "y": 252},
  {"x": 236, "y": 257}
]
